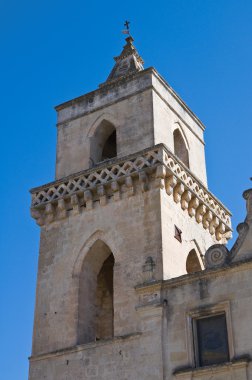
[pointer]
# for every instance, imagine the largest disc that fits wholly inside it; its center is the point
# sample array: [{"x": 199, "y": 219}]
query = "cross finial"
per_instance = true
[
  {"x": 127, "y": 28},
  {"x": 126, "y": 24}
]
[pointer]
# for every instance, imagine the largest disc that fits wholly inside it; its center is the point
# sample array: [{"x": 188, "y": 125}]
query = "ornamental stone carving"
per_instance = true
[
  {"x": 155, "y": 167},
  {"x": 216, "y": 256}
]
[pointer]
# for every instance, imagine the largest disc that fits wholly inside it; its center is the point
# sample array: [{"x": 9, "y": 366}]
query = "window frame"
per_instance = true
[{"x": 207, "y": 312}]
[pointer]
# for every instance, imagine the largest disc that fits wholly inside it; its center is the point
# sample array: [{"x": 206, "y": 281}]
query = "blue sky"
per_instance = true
[{"x": 52, "y": 51}]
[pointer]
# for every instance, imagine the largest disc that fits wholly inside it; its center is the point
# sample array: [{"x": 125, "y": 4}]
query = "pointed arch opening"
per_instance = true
[
  {"x": 180, "y": 148},
  {"x": 192, "y": 262},
  {"x": 109, "y": 148},
  {"x": 96, "y": 295},
  {"x": 103, "y": 143}
]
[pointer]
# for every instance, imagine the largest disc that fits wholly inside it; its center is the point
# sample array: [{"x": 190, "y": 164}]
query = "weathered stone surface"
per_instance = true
[
  {"x": 144, "y": 110},
  {"x": 97, "y": 183},
  {"x": 128, "y": 62},
  {"x": 127, "y": 217}
]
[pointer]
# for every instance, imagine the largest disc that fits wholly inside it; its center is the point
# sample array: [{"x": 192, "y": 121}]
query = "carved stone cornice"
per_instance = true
[{"x": 155, "y": 167}]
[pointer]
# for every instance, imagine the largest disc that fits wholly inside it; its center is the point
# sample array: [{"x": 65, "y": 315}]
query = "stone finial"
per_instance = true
[
  {"x": 247, "y": 195},
  {"x": 242, "y": 248},
  {"x": 128, "y": 62}
]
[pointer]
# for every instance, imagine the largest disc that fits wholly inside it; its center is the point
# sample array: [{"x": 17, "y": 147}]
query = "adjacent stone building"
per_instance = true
[{"x": 134, "y": 279}]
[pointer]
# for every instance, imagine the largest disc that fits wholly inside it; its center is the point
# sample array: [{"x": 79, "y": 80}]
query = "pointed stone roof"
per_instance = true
[{"x": 128, "y": 62}]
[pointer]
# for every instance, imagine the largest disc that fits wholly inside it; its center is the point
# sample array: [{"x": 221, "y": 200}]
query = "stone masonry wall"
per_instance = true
[
  {"x": 132, "y": 231},
  {"x": 193, "y": 236},
  {"x": 128, "y": 358},
  {"x": 132, "y": 117},
  {"x": 144, "y": 110},
  {"x": 167, "y": 120},
  {"x": 230, "y": 288}
]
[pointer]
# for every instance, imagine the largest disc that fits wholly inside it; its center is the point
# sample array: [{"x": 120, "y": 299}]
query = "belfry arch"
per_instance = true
[
  {"x": 180, "y": 148},
  {"x": 103, "y": 142},
  {"x": 96, "y": 294}
]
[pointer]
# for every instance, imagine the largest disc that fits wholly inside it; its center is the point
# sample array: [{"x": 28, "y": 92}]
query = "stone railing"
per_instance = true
[{"x": 150, "y": 168}]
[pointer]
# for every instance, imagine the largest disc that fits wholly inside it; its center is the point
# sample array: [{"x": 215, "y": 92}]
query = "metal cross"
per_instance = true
[{"x": 126, "y": 24}]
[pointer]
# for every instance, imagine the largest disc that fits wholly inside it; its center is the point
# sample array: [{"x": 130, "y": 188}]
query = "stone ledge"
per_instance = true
[
  {"x": 101, "y": 89},
  {"x": 152, "y": 168},
  {"x": 103, "y": 106},
  {"x": 159, "y": 285},
  {"x": 121, "y": 81},
  {"x": 87, "y": 346},
  {"x": 191, "y": 373}
]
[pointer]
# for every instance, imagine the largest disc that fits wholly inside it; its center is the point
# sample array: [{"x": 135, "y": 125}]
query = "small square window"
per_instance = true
[{"x": 211, "y": 340}]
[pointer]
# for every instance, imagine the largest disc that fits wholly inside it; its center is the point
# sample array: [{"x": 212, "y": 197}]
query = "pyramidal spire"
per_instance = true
[{"x": 128, "y": 62}]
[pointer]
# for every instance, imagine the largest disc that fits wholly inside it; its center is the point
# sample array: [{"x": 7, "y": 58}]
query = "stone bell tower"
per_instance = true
[{"x": 129, "y": 205}]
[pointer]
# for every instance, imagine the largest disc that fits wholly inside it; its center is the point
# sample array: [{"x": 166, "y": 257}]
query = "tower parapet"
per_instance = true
[{"x": 153, "y": 167}]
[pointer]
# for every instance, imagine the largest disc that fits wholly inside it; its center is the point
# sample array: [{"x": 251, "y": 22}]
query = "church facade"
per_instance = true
[{"x": 134, "y": 278}]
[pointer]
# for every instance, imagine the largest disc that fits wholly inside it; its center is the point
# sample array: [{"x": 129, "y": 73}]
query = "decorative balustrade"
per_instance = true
[{"x": 150, "y": 168}]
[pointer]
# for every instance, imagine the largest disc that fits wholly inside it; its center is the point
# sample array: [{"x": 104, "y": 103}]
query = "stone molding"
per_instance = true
[
  {"x": 235, "y": 369},
  {"x": 88, "y": 346},
  {"x": 89, "y": 97},
  {"x": 155, "y": 167},
  {"x": 202, "y": 275},
  {"x": 202, "y": 311}
]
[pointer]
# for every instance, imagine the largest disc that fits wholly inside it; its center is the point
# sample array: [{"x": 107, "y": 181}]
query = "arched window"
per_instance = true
[
  {"x": 192, "y": 262},
  {"x": 180, "y": 147},
  {"x": 96, "y": 301},
  {"x": 103, "y": 143}
]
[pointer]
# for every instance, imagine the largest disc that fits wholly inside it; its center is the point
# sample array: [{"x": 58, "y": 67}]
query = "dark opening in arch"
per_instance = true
[
  {"x": 180, "y": 147},
  {"x": 103, "y": 144},
  {"x": 192, "y": 262},
  {"x": 109, "y": 149},
  {"x": 96, "y": 295},
  {"x": 104, "y": 300}
]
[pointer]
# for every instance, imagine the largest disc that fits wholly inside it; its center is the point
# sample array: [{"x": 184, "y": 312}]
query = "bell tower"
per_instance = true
[{"x": 129, "y": 205}]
